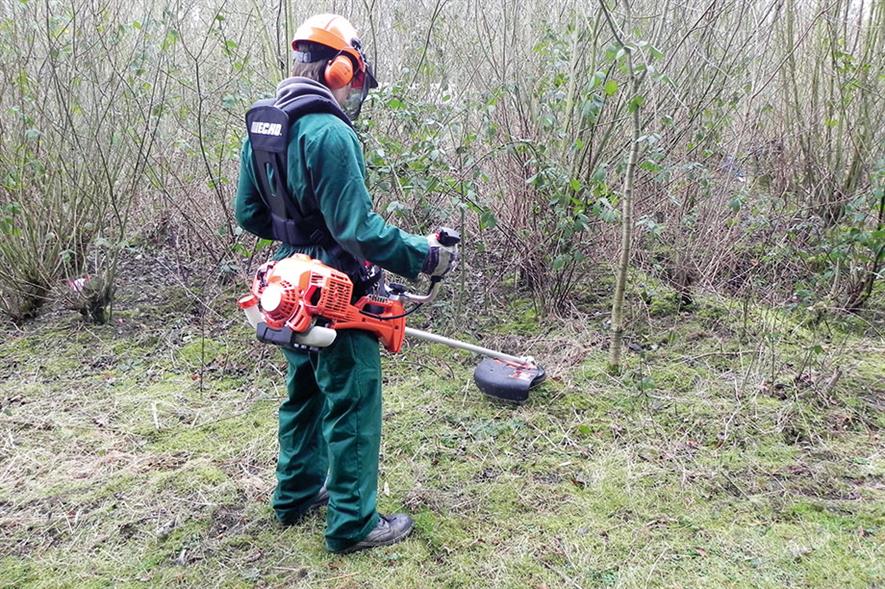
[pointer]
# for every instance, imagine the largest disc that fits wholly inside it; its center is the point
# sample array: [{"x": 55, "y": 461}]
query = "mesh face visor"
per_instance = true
[
  {"x": 368, "y": 76},
  {"x": 363, "y": 80},
  {"x": 353, "y": 104}
]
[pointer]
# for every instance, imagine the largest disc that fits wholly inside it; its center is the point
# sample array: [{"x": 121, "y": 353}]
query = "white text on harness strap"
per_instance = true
[{"x": 262, "y": 128}]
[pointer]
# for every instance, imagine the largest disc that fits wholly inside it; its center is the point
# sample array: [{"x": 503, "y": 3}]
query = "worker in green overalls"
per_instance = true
[{"x": 330, "y": 425}]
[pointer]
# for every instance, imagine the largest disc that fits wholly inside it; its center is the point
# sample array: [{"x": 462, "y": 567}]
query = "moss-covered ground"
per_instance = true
[{"x": 736, "y": 449}]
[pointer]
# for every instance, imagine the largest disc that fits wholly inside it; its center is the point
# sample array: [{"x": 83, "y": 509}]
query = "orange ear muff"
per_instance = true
[{"x": 339, "y": 71}]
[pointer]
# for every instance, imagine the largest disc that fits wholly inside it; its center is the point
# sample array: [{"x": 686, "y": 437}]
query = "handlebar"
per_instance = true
[
  {"x": 445, "y": 236},
  {"x": 397, "y": 290},
  {"x": 426, "y": 298}
]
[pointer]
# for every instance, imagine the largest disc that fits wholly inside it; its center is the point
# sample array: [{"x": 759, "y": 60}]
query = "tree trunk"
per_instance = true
[{"x": 614, "y": 358}]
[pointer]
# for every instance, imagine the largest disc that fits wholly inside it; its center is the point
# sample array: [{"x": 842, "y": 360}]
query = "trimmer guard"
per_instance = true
[{"x": 507, "y": 381}]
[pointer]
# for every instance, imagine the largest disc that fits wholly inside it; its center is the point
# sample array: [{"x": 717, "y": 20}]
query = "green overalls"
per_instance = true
[{"x": 330, "y": 425}]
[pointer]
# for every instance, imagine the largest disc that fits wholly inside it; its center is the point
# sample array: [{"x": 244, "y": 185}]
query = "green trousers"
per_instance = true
[{"x": 330, "y": 430}]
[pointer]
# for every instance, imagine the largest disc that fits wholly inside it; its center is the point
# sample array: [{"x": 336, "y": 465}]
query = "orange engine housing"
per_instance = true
[{"x": 298, "y": 290}]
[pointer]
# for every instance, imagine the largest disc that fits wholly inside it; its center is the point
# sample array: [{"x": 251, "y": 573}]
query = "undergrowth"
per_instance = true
[{"x": 737, "y": 449}]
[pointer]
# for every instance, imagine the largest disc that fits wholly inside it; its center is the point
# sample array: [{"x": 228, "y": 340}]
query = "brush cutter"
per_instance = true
[{"x": 299, "y": 303}]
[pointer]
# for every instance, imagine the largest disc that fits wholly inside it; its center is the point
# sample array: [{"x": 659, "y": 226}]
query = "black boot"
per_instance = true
[{"x": 390, "y": 530}]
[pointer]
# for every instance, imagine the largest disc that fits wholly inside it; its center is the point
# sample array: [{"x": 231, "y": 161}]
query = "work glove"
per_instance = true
[{"x": 443, "y": 254}]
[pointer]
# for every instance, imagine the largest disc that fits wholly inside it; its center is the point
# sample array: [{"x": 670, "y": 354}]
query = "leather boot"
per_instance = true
[{"x": 390, "y": 530}]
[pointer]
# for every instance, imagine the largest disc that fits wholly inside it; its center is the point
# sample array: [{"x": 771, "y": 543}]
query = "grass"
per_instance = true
[{"x": 141, "y": 454}]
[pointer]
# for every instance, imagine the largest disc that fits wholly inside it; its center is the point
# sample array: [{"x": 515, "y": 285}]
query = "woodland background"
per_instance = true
[{"x": 751, "y": 133}]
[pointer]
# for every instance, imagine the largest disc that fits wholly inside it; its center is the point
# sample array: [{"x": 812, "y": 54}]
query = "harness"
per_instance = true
[{"x": 268, "y": 122}]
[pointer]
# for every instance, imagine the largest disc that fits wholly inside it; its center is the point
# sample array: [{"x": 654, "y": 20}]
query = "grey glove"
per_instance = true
[{"x": 440, "y": 259}]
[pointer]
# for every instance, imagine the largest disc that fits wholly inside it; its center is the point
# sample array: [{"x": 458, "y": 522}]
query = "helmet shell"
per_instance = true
[
  {"x": 332, "y": 31},
  {"x": 336, "y": 32}
]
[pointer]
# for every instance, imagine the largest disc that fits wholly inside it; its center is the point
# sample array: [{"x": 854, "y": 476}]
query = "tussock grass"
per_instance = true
[{"x": 141, "y": 454}]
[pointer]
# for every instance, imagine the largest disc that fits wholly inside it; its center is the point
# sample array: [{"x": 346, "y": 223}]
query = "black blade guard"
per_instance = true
[{"x": 508, "y": 382}]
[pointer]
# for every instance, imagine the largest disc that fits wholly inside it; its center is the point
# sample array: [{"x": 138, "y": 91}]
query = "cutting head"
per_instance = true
[{"x": 507, "y": 381}]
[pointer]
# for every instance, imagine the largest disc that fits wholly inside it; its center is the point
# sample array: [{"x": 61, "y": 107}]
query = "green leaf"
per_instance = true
[
  {"x": 561, "y": 261},
  {"x": 590, "y": 108},
  {"x": 610, "y": 88},
  {"x": 487, "y": 219},
  {"x": 170, "y": 39},
  {"x": 736, "y": 203},
  {"x": 636, "y": 103}
]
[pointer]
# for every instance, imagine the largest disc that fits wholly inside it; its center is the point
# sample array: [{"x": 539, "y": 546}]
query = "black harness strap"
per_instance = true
[{"x": 268, "y": 126}]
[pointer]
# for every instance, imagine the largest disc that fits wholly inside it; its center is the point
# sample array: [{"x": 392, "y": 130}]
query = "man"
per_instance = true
[{"x": 330, "y": 425}]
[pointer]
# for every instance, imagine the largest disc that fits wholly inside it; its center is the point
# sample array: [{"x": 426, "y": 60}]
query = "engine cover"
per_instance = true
[{"x": 293, "y": 293}]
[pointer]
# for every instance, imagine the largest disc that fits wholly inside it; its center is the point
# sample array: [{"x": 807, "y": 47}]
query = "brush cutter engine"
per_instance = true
[{"x": 300, "y": 303}]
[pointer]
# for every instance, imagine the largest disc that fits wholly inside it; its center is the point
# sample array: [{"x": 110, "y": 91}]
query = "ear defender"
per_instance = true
[{"x": 339, "y": 71}]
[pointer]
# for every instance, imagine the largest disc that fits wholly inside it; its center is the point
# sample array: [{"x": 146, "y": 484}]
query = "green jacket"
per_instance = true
[{"x": 326, "y": 170}]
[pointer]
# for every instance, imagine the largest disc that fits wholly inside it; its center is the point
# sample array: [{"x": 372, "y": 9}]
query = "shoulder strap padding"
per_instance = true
[
  {"x": 306, "y": 104},
  {"x": 268, "y": 123}
]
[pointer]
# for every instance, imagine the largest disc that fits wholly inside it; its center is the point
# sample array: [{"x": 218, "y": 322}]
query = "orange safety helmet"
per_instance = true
[{"x": 347, "y": 64}]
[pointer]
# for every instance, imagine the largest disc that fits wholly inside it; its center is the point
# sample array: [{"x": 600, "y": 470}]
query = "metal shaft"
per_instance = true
[{"x": 453, "y": 343}]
